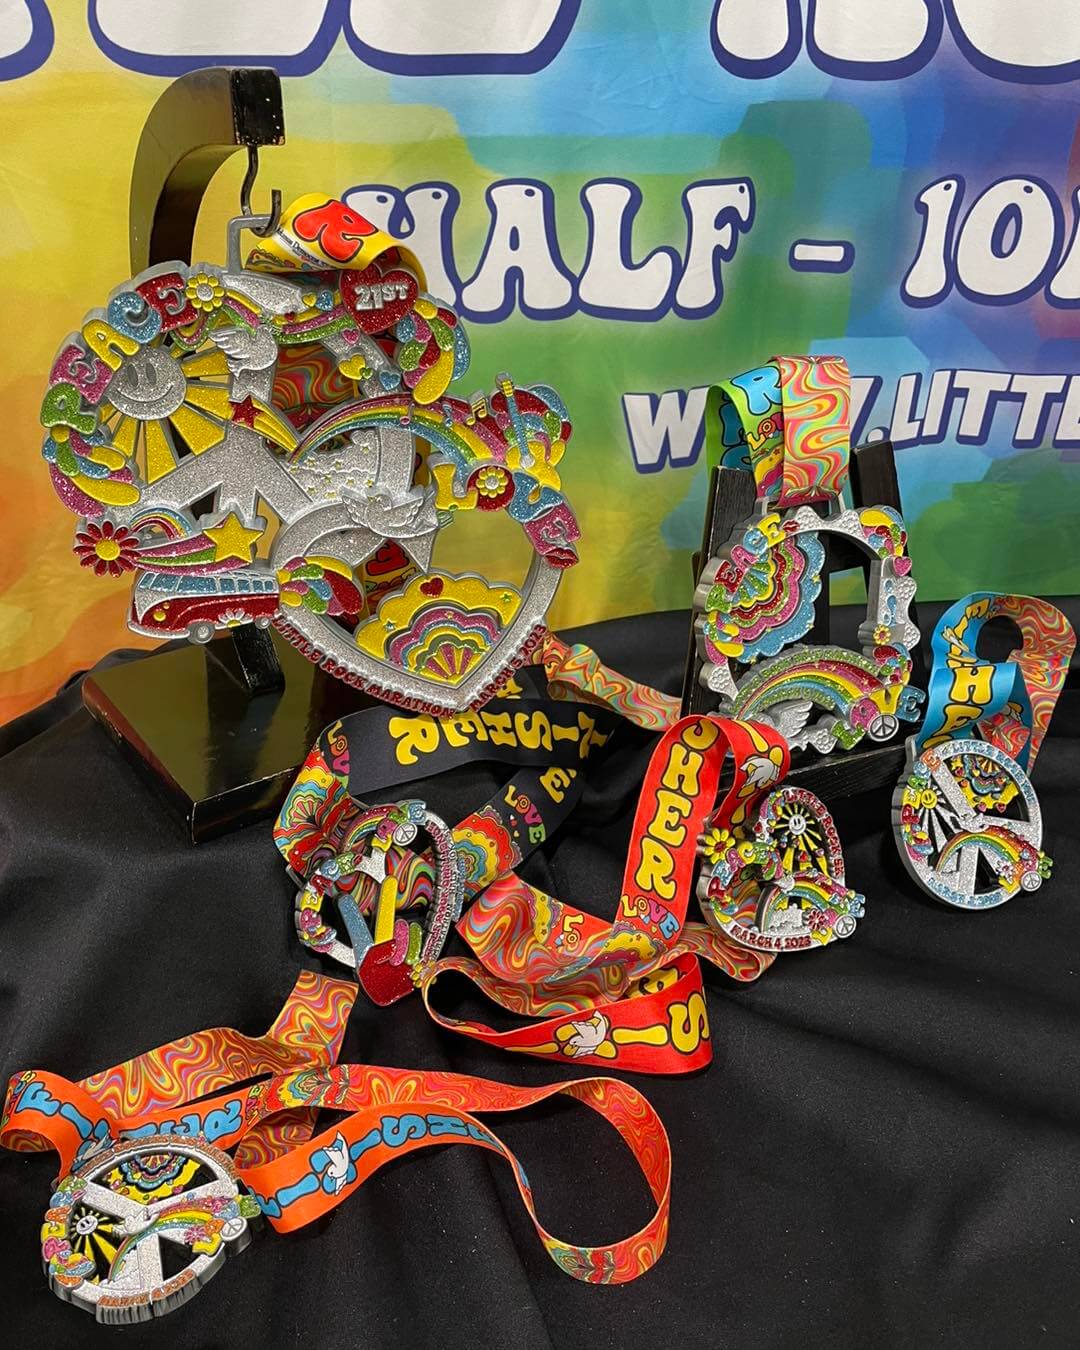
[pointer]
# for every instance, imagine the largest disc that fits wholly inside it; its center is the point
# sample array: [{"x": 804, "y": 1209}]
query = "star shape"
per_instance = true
[
  {"x": 232, "y": 539},
  {"x": 245, "y": 412}
]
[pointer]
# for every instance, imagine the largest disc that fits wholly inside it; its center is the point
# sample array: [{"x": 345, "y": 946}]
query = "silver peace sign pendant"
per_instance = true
[
  {"x": 954, "y": 837},
  {"x": 139, "y": 1229}
]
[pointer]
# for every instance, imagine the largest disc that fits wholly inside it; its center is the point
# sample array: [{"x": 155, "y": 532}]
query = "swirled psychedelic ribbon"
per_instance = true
[
  {"x": 787, "y": 422},
  {"x": 627, "y": 993},
  {"x": 577, "y": 674},
  {"x": 379, "y": 748},
  {"x": 294, "y": 1182},
  {"x": 1008, "y": 703},
  {"x": 306, "y": 1034}
]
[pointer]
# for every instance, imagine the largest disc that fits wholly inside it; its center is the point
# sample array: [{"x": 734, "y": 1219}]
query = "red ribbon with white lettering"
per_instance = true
[{"x": 626, "y": 993}]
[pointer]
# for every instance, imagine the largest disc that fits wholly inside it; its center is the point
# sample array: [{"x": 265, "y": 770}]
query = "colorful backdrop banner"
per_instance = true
[{"x": 632, "y": 199}]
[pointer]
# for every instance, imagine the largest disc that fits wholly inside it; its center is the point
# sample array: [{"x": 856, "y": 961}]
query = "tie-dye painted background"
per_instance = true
[{"x": 626, "y": 198}]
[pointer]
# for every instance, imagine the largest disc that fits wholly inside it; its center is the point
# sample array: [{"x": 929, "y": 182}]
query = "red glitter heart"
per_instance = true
[
  {"x": 433, "y": 586},
  {"x": 378, "y": 299}
]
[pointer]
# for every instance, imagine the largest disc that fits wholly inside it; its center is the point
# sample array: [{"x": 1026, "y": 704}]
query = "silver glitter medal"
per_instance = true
[
  {"x": 756, "y": 599},
  {"x": 277, "y": 445},
  {"x": 139, "y": 1229},
  {"x": 950, "y": 826}
]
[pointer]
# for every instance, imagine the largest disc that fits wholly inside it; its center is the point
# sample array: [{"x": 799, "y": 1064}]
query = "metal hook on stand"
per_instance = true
[{"x": 274, "y": 219}]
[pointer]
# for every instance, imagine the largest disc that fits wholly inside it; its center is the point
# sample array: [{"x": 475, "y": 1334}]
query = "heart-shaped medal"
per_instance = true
[
  {"x": 780, "y": 886},
  {"x": 314, "y": 383},
  {"x": 385, "y": 959}
]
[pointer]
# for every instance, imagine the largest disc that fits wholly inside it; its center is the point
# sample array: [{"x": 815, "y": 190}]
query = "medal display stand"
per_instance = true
[
  {"x": 220, "y": 728},
  {"x": 730, "y": 504}
]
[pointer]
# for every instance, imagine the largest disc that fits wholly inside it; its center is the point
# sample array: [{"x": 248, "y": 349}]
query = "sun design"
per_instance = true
[
  {"x": 164, "y": 392},
  {"x": 798, "y": 836},
  {"x": 95, "y": 1237}
]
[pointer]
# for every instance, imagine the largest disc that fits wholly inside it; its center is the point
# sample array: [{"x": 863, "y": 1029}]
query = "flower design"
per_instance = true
[
  {"x": 882, "y": 633},
  {"x": 715, "y": 843},
  {"x": 205, "y": 291},
  {"x": 109, "y": 549},
  {"x": 494, "y": 487}
]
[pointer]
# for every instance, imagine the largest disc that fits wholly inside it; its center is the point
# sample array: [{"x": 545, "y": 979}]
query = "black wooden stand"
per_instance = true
[
  {"x": 731, "y": 504},
  {"x": 221, "y": 729}
]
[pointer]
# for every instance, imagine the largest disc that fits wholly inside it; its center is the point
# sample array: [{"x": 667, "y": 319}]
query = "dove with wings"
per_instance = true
[
  {"x": 408, "y": 518},
  {"x": 247, "y": 351},
  {"x": 338, "y": 1169}
]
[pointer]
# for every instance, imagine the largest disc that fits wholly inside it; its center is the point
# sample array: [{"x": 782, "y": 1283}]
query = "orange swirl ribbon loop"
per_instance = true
[
  {"x": 307, "y": 1033},
  {"x": 627, "y": 993},
  {"x": 576, "y": 674},
  {"x": 114, "y": 1195}
]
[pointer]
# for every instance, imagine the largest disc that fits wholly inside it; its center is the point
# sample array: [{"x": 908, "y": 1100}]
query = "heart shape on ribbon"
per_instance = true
[
  {"x": 378, "y": 299},
  {"x": 779, "y": 885}
]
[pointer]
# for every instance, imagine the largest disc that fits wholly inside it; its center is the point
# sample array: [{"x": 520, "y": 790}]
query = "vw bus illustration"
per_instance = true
[{"x": 165, "y": 604}]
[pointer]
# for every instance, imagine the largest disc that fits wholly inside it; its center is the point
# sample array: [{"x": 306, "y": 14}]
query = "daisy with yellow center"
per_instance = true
[
  {"x": 205, "y": 291},
  {"x": 715, "y": 843}
]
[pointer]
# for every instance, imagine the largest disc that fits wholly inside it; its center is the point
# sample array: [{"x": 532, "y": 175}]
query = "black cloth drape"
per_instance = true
[{"x": 885, "y": 1151}]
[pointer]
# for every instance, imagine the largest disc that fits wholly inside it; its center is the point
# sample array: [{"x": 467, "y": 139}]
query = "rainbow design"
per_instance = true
[
  {"x": 825, "y": 908},
  {"x": 200, "y": 1224},
  {"x": 161, "y": 520},
  {"x": 440, "y": 626},
  {"x": 521, "y": 430},
  {"x": 1012, "y": 858},
  {"x": 863, "y": 691},
  {"x": 195, "y": 555},
  {"x": 772, "y": 605}
]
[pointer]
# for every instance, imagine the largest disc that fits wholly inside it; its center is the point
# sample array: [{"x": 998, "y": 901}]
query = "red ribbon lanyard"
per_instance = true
[{"x": 626, "y": 994}]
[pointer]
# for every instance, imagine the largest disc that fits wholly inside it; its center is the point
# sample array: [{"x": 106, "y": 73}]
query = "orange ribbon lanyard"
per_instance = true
[
  {"x": 293, "y": 1178},
  {"x": 307, "y": 1033}
]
